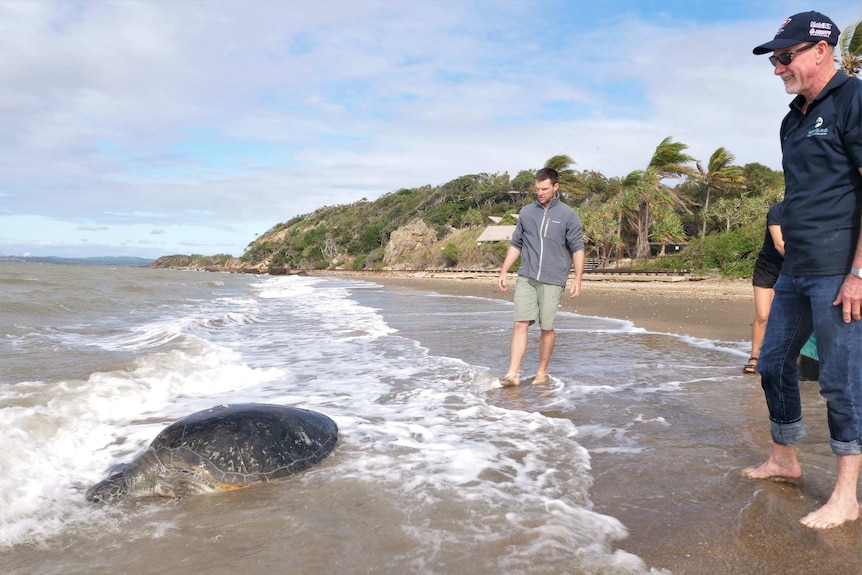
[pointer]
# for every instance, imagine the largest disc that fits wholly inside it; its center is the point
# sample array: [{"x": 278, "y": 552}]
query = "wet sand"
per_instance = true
[
  {"x": 685, "y": 505},
  {"x": 711, "y": 308}
]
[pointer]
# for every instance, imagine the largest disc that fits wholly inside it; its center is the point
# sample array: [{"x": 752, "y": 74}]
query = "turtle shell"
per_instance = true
[{"x": 233, "y": 446}]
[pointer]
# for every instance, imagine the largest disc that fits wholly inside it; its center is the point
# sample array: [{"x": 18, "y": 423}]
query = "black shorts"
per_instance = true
[{"x": 765, "y": 273}]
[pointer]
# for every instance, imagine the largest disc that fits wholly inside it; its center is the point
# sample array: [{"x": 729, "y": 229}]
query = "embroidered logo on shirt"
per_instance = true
[{"x": 818, "y": 129}]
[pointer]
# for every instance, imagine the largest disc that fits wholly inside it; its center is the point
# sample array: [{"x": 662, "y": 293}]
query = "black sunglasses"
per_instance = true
[{"x": 787, "y": 57}]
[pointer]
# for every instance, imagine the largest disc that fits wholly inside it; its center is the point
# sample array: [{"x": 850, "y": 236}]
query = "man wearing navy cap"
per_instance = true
[{"x": 820, "y": 286}]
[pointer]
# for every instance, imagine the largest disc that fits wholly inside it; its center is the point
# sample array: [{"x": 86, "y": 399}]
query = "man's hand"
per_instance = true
[
  {"x": 575, "y": 291},
  {"x": 850, "y": 298},
  {"x": 501, "y": 283}
]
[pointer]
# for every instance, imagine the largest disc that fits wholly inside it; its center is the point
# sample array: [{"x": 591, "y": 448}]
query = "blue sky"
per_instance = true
[{"x": 154, "y": 128}]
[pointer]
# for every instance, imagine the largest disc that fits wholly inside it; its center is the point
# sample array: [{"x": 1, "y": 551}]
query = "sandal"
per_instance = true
[{"x": 751, "y": 366}]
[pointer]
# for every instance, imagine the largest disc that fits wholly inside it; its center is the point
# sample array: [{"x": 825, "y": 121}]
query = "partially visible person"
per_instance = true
[
  {"x": 820, "y": 285},
  {"x": 549, "y": 238},
  {"x": 766, "y": 270}
]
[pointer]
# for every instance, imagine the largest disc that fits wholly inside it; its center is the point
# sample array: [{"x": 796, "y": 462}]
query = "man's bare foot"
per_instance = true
[
  {"x": 540, "y": 378},
  {"x": 510, "y": 380},
  {"x": 831, "y": 515},
  {"x": 771, "y": 470}
]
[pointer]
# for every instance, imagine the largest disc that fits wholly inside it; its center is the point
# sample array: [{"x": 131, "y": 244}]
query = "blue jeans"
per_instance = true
[{"x": 801, "y": 305}]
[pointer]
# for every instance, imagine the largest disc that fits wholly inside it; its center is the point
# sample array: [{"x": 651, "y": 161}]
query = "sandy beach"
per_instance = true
[{"x": 684, "y": 502}]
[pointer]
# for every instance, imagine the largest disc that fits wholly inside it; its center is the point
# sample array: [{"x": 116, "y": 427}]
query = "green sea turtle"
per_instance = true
[{"x": 222, "y": 448}]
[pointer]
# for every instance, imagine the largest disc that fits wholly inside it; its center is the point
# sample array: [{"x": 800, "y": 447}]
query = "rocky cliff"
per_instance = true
[{"x": 407, "y": 240}]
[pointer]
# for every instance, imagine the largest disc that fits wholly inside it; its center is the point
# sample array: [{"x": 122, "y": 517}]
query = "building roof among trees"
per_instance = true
[{"x": 496, "y": 234}]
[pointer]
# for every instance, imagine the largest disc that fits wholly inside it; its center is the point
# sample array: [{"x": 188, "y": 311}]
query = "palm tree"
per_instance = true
[
  {"x": 646, "y": 194},
  {"x": 720, "y": 175},
  {"x": 667, "y": 227},
  {"x": 850, "y": 45},
  {"x": 568, "y": 177}
]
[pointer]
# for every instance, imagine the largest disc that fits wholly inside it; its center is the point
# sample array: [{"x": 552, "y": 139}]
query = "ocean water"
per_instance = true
[{"x": 437, "y": 469}]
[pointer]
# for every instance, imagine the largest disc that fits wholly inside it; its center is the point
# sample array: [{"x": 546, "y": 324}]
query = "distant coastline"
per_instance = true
[{"x": 125, "y": 261}]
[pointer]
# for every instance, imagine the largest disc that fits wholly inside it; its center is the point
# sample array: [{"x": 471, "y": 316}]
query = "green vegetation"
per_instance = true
[
  {"x": 713, "y": 218},
  {"x": 194, "y": 261},
  {"x": 355, "y": 235},
  {"x": 849, "y": 56}
]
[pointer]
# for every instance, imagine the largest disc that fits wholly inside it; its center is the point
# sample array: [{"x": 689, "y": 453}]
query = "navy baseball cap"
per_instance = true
[{"x": 802, "y": 27}]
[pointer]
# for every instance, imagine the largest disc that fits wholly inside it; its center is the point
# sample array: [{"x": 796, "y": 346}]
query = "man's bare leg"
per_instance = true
[
  {"x": 843, "y": 506},
  {"x": 546, "y": 349},
  {"x": 782, "y": 464},
  {"x": 516, "y": 354}
]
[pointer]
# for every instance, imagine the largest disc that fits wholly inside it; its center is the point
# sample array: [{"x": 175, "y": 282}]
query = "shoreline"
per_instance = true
[{"x": 711, "y": 308}]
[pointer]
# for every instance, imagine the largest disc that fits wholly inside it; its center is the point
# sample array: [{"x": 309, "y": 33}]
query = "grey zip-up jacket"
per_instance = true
[{"x": 547, "y": 238}]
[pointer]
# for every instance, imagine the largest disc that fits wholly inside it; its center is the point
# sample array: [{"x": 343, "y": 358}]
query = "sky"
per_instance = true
[{"x": 191, "y": 127}]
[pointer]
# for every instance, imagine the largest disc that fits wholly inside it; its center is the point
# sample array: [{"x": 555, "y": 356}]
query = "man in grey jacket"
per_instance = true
[{"x": 549, "y": 238}]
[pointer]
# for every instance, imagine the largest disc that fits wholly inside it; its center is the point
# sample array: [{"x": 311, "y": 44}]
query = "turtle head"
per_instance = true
[
  {"x": 126, "y": 480},
  {"x": 114, "y": 487},
  {"x": 147, "y": 476}
]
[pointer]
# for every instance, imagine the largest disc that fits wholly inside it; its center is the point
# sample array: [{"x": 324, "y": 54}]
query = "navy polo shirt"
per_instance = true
[
  {"x": 822, "y": 153},
  {"x": 768, "y": 251}
]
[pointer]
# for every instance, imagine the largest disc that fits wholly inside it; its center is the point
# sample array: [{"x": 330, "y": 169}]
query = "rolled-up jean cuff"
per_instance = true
[
  {"x": 787, "y": 433},
  {"x": 846, "y": 447}
]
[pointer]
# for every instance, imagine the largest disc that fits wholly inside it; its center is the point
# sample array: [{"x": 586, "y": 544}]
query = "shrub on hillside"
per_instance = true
[{"x": 450, "y": 255}]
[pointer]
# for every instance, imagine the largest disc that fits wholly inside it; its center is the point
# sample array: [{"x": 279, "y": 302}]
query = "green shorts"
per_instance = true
[{"x": 535, "y": 300}]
